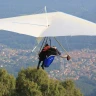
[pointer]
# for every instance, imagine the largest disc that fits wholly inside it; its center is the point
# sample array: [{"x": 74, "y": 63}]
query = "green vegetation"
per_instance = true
[
  {"x": 33, "y": 82},
  {"x": 7, "y": 83}
]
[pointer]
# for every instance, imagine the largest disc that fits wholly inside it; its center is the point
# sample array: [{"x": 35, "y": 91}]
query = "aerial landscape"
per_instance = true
[{"x": 19, "y": 75}]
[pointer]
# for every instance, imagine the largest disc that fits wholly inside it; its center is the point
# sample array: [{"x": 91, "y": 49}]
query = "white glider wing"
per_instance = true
[{"x": 50, "y": 24}]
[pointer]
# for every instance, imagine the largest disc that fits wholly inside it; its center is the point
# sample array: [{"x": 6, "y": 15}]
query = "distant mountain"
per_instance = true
[
  {"x": 87, "y": 87},
  {"x": 18, "y": 41}
]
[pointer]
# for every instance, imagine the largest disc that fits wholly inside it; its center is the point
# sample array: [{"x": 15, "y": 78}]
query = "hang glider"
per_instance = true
[{"x": 48, "y": 25}]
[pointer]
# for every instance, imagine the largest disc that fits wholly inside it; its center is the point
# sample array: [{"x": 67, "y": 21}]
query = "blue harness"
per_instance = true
[{"x": 48, "y": 61}]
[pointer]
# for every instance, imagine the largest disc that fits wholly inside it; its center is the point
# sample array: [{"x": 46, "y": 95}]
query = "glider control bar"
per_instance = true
[{"x": 61, "y": 45}]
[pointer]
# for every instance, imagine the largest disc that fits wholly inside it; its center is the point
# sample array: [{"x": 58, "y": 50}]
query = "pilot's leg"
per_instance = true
[
  {"x": 38, "y": 64},
  {"x": 42, "y": 65}
]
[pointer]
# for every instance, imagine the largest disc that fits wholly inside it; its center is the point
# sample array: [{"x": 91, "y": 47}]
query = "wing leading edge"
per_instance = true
[{"x": 59, "y": 24}]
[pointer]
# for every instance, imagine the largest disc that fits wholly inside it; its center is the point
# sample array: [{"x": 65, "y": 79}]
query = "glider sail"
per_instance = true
[
  {"x": 39, "y": 39},
  {"x": 59, "y": 24}
]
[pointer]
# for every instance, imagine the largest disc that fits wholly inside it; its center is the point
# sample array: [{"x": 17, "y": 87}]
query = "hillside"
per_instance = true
[
  {"x": 15, "y": 53},
  {"x": 18, "y": 41}
]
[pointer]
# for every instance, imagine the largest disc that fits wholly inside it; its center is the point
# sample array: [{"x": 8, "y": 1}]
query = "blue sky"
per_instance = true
[{"x": 85, "y": 9}]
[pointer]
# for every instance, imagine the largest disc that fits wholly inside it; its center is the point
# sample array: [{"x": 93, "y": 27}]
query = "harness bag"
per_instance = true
[{"x": 48, "y": 61}]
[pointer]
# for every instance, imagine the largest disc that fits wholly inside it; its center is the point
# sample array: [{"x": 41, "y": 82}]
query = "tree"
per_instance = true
[
  {"x": 55, "y": 88},
  {"x": 71, "y": 90},
  {"x": 30, "y": 81},
  {"x": 7, "y": 83},
  {"x": 68, "y": 84},
  {"x": 33, "y": 82}
]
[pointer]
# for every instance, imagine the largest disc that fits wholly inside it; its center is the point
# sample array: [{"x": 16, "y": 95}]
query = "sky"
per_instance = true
[{"x": 85, "y": 9}]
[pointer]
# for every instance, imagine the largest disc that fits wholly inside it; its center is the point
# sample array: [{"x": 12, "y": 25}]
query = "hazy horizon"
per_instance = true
[{"x": 79, "y": 8}]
